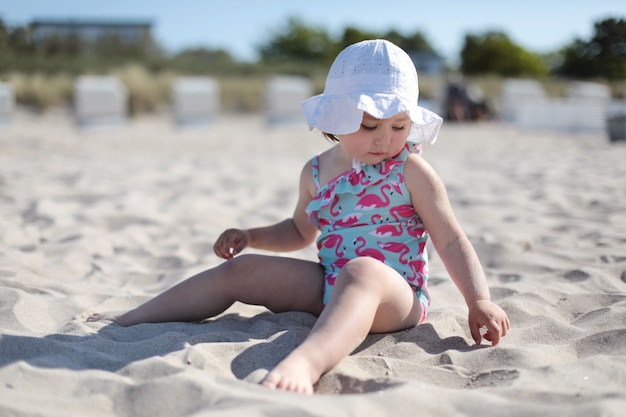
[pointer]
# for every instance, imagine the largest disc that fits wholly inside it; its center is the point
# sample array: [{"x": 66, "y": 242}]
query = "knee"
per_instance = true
[
  {"x": 242, "y": 261},
  {"x": 359, "y": 271},
  {"x": 238, "y": 268}
]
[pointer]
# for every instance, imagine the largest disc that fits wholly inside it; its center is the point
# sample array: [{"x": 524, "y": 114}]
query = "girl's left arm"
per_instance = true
[{"x": 430, "y": 200}]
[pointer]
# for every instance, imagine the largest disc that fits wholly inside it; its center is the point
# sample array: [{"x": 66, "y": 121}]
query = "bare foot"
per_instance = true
[
  {"x": 109, "y": 316},
  {"x": 295, "y": 373}
]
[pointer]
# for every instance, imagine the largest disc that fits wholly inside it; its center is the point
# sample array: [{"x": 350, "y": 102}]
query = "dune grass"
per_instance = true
[{"x": 150, "y": 92}]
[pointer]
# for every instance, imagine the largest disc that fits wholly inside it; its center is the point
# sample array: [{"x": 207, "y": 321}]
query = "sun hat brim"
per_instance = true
[{"x": 343, "y": 114}]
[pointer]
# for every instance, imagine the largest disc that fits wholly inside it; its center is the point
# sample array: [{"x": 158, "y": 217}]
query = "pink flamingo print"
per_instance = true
[
  {"x": 416, "y": 230},
  {"x": 358, "y": 178},
  {"x": 403, "y": 211},
  {"x": 396, "y": 183},
  {"x": 340, "y": 263},
  {"x": 387, "y": 230},
  {"x": 336, "y": 267},
  {"x": 372, "y": 201},
  {"x": 349, "y": 220},
  {"x": 376, "y": 218},
  {"x": 333, "y": 241},
  {"x": 321, "y": 222},
  {"x": 325, "y": 196},
  {"x": 361, "y": 250},
  {"x": 387, "y": 166},
  {"x": 354, "y": 178},
  {"x": 419, "y": 269},
  {"x": 331, "y": 279},
  {"x": 397, "y": 247},
  {"x": 335, "y": 209}
]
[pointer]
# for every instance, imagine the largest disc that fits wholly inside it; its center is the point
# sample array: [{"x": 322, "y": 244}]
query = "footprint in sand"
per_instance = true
[
  {"x": 498, "y": 377},
  {"x": 508, "y": 278},
  {"x": 500, "y": 293},
  {"x": 344, "y": 384},
  {"x": 576, "y": 275}
]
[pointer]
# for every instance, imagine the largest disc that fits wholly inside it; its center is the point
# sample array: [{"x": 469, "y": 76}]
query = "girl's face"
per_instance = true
[{"x": 377, "y": 139}]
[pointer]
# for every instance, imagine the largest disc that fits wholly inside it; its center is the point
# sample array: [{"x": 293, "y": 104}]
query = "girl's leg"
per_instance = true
[
  {"x": 368, "y": 296},
  {"x": 280, "y": 284}
]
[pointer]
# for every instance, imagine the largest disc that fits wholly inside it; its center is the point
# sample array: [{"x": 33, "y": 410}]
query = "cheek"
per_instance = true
[
  {"x": 353, "y": 145},
  {"x": 398, "y": 141}
]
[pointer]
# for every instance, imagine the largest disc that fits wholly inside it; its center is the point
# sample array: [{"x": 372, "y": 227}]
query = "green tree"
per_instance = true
[
  {"x": 117, "y": 48},
  {"x": 4, "y": 37},
  {"x": 53, "y": 46},
  {"x": 412, "y": 43},
  {"x": 495, "y": 53},
  {"x": 604, "y": 55},
  {"x": 73, "y": 45},
  {"x": 20, "y": 41},
  {"x": 298, "y": 42},
  {"x": 201, "y": 60},
  {"x": 353, "y": 35},
  {"x": 5, "y": 50}
]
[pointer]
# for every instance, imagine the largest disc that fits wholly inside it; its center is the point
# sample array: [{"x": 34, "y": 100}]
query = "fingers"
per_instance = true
[
  {"x": 475, "y": 331},
  {"x": 220, "y": 249},
  {"x": 495, "y": 332},
  {"x": 486, "y": 314},
  {"x": 238, "y": 246},
  {"x": 231, "y": 243}
]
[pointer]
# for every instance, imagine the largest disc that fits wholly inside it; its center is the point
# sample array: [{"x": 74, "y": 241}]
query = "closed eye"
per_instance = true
[{"x": 365, "y": 127}]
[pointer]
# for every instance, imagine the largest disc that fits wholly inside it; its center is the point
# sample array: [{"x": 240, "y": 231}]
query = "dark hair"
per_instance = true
[{"x": 330, "y": 137}]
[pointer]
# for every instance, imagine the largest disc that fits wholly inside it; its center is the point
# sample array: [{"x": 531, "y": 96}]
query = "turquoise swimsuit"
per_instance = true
[{"x": 367, "y": 211}]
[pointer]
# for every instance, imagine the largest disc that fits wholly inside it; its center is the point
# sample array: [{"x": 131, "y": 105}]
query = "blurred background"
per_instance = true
[{"x": 465, "y": 52}]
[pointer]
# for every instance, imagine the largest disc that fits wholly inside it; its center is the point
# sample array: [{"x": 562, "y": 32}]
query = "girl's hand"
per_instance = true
[
  {"x": 487, "y": 314},
  {"x": 231, "y": 242}
]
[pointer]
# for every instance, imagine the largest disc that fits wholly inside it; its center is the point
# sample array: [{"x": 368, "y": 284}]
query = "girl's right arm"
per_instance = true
[
  {"x": 430, "y": 200},
  {"x": 290, "y": 234}
]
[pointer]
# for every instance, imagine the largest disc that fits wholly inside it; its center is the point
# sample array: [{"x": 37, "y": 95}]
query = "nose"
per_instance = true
[{"x": 383, "y": 137}]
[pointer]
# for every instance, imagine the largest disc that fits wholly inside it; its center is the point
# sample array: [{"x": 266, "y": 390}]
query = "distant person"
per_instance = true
[
  {"x": 464, "y": 102},
  {"x": 371, "y": 202},
  {"x": 477, "y": 103},
  {"x": 456, "y": 100}
]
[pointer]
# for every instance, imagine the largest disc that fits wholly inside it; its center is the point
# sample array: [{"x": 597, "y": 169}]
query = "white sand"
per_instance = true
[{"x": 96, "y": 221}]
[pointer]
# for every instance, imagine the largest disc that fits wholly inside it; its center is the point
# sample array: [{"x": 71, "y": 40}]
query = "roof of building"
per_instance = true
[{"x": 91, "y": 22}]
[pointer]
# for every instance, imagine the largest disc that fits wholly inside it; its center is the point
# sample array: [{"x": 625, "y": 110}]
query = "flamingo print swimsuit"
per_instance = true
[{"x": 367, "y": 211}]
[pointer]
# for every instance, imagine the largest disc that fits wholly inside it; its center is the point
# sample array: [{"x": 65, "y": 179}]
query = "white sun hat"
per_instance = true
[{"x": 373, "y": 76}]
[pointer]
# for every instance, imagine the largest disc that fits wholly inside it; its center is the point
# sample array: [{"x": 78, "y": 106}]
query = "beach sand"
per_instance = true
[{"x": 103, "y": 220}]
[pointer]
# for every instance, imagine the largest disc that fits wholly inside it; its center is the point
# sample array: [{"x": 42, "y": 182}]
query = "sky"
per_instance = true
[{"x": 241, "y": 26}]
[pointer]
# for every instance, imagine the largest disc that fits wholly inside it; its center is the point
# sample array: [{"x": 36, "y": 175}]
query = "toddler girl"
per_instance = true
[{"x": 370, "y": 202}]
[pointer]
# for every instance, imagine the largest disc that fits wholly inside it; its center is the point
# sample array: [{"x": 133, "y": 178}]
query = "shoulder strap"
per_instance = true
[{"x": 315, "y": 162}]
